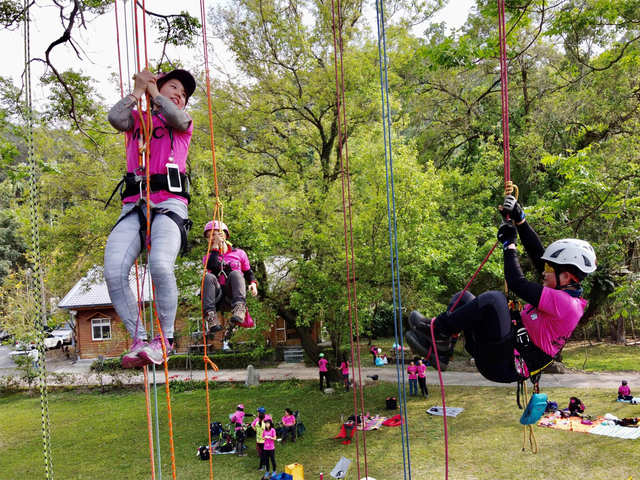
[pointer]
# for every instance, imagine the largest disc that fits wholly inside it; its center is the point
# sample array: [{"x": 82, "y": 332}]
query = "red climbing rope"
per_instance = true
[{"x": 343, "y": 154}]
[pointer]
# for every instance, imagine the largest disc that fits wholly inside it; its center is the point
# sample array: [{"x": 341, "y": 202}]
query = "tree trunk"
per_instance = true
[{"x": 617, "y": 331}]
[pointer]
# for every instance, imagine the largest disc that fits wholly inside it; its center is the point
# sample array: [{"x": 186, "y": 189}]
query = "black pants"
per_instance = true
[
  {"x": 324, "y": 375},
  {"x": 422, "y": 381},
  {"x": 269, "y": 455},
  {"x": 286, "y": 431},
  {"x": 486, "y": 323}
]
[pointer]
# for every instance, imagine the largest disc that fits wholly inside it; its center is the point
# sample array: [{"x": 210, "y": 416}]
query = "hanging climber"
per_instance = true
[
  {"x": 169, "y": 137},
  {"x": 228, "y": 276},
  {"x": 491, "y": 330}
]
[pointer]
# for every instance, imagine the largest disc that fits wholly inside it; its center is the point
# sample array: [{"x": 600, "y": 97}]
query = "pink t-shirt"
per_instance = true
[
  {"x": 238, "y": 418},
  {"x": 422, "y": 370},
  {"x": 322, "y": 364},
  {"x": 552, "y": 323},
  {"x": 624, "y": 390},
  {"x": 288, "y": 420},
  {"x": 344, "y": 368},
  {"x": 236, "y": 258},
  {"x": 159, "y": 152},
  {"x": 411, "y": 370},
  {"x": 269, "y": 439}
]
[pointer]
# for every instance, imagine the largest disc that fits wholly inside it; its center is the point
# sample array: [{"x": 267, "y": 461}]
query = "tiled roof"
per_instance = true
[{"x": 91, "y": 290}]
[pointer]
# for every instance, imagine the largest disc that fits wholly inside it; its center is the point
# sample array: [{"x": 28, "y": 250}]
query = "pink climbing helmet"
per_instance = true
[{"x": 216, "y": 225}]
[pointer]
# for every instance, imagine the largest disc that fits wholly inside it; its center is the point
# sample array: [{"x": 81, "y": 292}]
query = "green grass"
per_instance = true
[
  {"x": 104, "y": 435},
  {"x": 602, "y": 357}
]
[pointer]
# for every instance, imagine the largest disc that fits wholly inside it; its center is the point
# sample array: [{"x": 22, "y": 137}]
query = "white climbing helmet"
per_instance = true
[{"x": 571, "y": 251}]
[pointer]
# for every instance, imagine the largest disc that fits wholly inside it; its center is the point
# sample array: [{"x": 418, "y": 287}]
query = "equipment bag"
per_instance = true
[
  {"x": 392, "y": 403},
  {"x": 535, "y": 409},
  {"x": 203, "y": 452}
]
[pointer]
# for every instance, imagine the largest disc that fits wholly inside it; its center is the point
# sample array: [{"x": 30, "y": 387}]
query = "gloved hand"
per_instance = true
[
  {"x": 512, "y": 208},
  {"x": 507, "y": 234}
]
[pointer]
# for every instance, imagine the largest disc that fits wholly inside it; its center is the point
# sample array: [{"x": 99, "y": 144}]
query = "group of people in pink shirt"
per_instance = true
[
  {"x": 417, "y": 371},
  {"x": 266, "y": 434}
]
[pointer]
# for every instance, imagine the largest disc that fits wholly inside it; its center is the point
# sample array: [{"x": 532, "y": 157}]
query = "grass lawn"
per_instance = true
[
  {"x": 103, "y": 435},
  {"x": 602, "y": 357}
]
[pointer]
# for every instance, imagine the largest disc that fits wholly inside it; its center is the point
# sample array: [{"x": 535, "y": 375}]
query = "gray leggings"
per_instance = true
[{"x": 123, "y": 246}]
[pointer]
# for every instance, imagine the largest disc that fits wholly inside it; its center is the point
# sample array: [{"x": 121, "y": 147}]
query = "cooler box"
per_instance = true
[{"x": 295, "y": 470}]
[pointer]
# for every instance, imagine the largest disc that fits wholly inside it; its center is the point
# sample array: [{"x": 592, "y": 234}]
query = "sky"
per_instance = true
[{"x": 99, "y": 46}]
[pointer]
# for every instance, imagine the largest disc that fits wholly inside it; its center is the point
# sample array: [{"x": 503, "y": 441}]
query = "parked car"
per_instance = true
[
  {"x": 65, "y": 333},
  {"x": 24, "y": 349},
  {"x": 50, "y": 341}
]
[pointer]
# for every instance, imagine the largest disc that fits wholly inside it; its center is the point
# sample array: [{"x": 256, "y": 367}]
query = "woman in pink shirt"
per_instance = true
[
  {"x": 323, "y": 371},
  {"x": 492, "y": 331},
  {"x": 344, "y": 369},
  {"x": 289, "y": 425},
  {"x": 237, "y": 422},
  {"x": 624, "y": 392},
  {"x": 269, "y": 449},
  {"x": 168, "y": 192},
  {"x": 421, "y": 369},
  {"x": 413, "y": 378}
]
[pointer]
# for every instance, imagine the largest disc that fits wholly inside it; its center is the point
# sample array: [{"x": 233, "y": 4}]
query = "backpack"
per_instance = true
[
  {"x": 203, "y": 452},
  {"x": 216, "y": 429},
  {"x": 535, "y": 409},
  {"x": 300, "y": 428},
  {"x": 392, "y": 403}
]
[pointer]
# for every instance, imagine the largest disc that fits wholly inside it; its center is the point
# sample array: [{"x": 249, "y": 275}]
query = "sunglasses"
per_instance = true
[{"x": 548, "y": 268}]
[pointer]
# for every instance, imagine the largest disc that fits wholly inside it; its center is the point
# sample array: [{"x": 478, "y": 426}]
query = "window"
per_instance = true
[{"x": 101, "y": 329}]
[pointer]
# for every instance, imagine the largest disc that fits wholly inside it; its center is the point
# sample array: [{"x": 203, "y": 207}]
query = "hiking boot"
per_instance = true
[
  {"x": 213, "y": 322},
  {"x": 153, "y": 351},
  {"x": 420, "y": 340},
  {"x": 131, "y": 359},
  {"x": 238, "y": 312}
]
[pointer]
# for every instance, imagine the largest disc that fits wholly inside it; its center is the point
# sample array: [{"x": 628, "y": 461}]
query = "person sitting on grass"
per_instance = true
[
  {"x": 228, "y": 276},
  {"x": 542, "y": 327},
  {"x": 288, "y": 425},
  {"x": 624, "y": 392}
]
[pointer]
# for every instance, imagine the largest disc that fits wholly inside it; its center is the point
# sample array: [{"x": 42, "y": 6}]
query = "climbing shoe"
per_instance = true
[
  {"x": 238, "y": 312},
  {"x": 213, "y": 323},
  {"x": 132, "y": 359}
]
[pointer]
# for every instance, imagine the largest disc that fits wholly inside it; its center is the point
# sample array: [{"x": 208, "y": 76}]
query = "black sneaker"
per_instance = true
[
  {"x": 420, "y": 334},
  {"x": 420, "y": 344}
]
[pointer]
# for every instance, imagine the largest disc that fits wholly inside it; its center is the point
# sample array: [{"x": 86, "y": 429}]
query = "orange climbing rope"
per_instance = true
[{"x": 217, "y": 215}]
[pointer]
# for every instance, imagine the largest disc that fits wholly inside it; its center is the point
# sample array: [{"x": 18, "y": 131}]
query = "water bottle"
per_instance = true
[{"x": 321, "y": 476}]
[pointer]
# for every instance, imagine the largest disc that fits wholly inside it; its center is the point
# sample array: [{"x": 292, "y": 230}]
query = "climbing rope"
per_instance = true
[
  {"x": 37, "y": 277},
  {"x": 393, "y": 237},
  {"x": 217, "y": 216},
  {"x": 343, "y": 154}
]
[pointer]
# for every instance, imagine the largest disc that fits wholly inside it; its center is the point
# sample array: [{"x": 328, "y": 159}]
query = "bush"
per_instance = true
[{"x": 181, "y": 362}]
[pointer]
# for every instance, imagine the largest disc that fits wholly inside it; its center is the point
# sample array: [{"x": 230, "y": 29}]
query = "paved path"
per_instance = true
[{"x": 79, "y": 374}]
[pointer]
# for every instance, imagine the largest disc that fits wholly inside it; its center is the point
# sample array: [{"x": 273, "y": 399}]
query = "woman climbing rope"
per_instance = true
[
  {"x": 491, "y": 330},
  {"x": 228, "y": 276},
  {"x": 169, "y": 136}
]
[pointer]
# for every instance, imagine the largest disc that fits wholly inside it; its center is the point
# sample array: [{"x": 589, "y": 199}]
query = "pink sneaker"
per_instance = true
[
  {"x": 152, "y": 352},
  {"x": 132, "y": 359}
]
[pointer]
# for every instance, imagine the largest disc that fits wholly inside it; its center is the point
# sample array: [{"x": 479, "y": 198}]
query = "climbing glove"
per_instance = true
[
  {"x": 512, "y": 208},
  {"x": 507, "y": 234}
]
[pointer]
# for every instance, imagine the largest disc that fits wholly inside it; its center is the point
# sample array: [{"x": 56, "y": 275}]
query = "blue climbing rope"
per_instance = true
[{"x": 393, "y": 238}]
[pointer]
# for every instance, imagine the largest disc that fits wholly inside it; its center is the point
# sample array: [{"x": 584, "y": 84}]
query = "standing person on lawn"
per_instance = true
[
  {"x": 170, "y": 136},
  {"x": 421, "y": 370},
  {"x": 269, "y": 450},
  {"x": 412, "y": 370},
  {"x": 344, "y": 369},
  {"x": 258, "y": 425},
  {"x": 323, "y": 371},
  {"x": 237, "y": 422}
]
